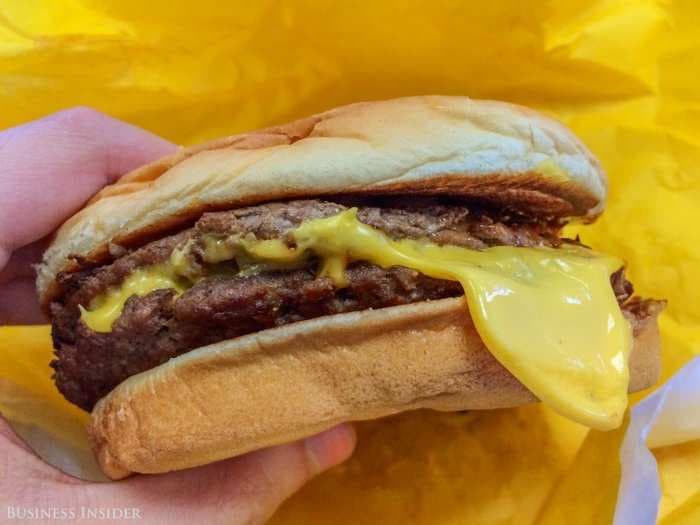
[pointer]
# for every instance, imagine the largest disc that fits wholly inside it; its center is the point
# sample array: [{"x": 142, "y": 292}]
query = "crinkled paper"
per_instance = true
[{"x": 623, "y": 74}]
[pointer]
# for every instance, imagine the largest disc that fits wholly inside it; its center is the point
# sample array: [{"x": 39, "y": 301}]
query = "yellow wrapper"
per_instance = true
[{"x": 623, "y": 74}]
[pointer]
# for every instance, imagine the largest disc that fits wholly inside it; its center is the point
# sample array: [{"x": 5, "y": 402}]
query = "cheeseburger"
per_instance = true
[{"x": 376, "y": 258}]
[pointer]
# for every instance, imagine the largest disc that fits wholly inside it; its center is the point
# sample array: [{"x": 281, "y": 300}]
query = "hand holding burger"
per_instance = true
[
  {"x": 375, "y": 258},
  {"x": 49, "y": 168}
]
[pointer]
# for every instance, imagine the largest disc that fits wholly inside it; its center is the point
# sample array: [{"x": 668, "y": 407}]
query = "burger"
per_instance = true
[{"x": 375, "y": 258}]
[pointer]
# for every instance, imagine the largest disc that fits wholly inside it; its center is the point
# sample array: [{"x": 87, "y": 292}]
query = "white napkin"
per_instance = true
[{"x": 669, "y": 416}]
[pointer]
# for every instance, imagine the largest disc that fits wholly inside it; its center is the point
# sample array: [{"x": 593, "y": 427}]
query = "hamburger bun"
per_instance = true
[
  {"x": 292, "y": 381},
  {"x": 287, "y": 383},
  {"x": 495, "y": 151}
]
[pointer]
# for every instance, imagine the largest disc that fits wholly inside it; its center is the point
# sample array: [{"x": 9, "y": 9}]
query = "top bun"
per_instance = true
[{"x": 497, "y": 152}]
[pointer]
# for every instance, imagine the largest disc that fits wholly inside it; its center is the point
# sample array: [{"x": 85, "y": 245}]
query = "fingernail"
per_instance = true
[{"x": 331, "y": 447}]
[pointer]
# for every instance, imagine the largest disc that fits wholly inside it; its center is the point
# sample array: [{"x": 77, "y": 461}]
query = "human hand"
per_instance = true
[{"x": 48, "y": 170}]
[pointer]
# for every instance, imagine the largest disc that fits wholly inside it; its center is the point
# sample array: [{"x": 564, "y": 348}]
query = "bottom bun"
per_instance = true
[{"x": 287, "y": 383}]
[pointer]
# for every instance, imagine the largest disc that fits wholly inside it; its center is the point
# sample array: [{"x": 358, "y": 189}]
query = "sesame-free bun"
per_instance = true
[
  {"x": 287, "y": 383},
  {"x": 497, "y": 152}
]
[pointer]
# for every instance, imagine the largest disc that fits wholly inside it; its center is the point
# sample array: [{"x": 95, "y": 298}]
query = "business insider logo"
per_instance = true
[{"x": 121, "y": 514}]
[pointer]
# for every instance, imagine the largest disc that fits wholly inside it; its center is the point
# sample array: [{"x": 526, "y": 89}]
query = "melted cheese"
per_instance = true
[
  {"x": 106, "y": 308},
  {"x": 548, "y": 315}
]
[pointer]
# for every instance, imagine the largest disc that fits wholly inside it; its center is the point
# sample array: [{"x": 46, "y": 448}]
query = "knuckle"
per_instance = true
[
  {"x": 78, "y": 117},
  {"x": 274, "y": 480}
]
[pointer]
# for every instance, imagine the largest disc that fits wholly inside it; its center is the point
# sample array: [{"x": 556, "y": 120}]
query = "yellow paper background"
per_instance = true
[{"x": 623, "y": 74}]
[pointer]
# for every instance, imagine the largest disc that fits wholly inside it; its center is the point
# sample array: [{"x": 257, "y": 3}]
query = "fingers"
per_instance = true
[
  {"x": 21, "y": 469},
  {"x": 247, "y": 489},
  {"x": 27, "y": 482},
  {"x": 50, "y": 167},
  {"x": 9, "y": 439}
]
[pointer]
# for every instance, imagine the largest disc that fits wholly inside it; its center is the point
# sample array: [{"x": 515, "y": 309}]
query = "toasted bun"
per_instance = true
[
  {"x": 498, "y": 152},
  {"x": 286, "y": 383}
]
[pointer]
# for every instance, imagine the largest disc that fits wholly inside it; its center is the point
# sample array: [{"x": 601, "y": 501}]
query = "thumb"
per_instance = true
[{"x": 246, "y": 489}]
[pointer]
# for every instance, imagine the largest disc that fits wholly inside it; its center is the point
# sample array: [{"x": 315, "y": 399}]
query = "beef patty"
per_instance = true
[{"x": 160, "y": 325}]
